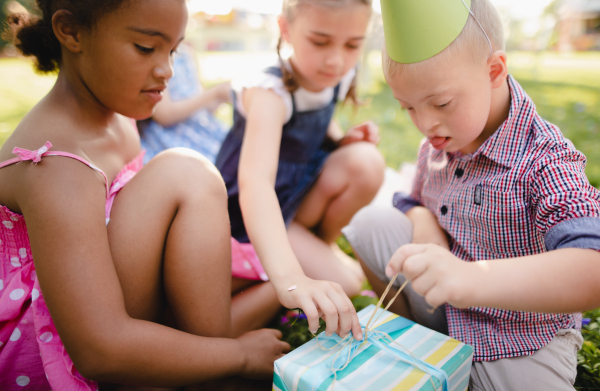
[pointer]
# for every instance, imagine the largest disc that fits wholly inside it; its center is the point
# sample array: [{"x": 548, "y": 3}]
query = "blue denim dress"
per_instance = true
[
  {"x": 201, "y": 132},
  {"x": 302, "y": 155}
]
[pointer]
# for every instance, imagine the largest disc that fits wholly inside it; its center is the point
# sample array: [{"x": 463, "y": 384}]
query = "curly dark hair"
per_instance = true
[{"x": 33, "y": 35}]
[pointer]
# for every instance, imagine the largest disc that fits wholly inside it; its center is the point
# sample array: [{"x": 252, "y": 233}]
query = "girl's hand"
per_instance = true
[
  {"x": 435, "y": 273},
  {"x": 366, "y": 131},
  {"x": 261, "y": 348},
  {"x": 321, "y": 299}
]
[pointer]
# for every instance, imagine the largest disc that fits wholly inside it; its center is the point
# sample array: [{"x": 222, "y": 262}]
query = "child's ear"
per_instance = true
[
  {"x": 66, "y": 30},
  {"x": 498, "y": 68},
  {"x": 284, "y": 27}
]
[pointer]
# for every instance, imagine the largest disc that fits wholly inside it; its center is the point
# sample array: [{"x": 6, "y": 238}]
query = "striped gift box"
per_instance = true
[{"x": 434, "y": 360}]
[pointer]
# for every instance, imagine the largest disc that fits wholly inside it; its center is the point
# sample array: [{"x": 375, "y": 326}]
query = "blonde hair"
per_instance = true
[
  {"x": 472, "y": 41},
  {"x": 289, "y": 10}
]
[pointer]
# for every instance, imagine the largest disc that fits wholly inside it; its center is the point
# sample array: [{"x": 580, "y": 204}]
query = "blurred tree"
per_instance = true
[
  {"x": 4, "y": 10},
  {"x": 552, "y": 11}
]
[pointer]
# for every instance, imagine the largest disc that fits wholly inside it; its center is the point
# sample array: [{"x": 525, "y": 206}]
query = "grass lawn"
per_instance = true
[{"x": 565, "y": 88}]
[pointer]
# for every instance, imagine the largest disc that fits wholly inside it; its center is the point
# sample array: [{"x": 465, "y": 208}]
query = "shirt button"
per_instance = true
[
  {"x": 444, "y": 210},
  {"x": 459, "y": 172}
]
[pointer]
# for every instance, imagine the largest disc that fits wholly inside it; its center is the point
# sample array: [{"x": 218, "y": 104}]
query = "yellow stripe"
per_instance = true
[
  {"x": 442, "y": 352},
  {"x": 385, "y": 320},
  {"x": 409, "y": 381}
]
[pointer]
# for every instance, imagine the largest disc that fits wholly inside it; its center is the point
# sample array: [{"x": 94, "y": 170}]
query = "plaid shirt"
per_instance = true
[{"x": 499, "y": 202}]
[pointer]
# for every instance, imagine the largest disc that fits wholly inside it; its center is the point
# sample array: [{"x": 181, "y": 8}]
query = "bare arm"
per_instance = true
[
  {"x": 548, "y": 282},
  {"x": 265, "y": 225},
  {"x": 426, "y": 228},
  {"x": 335, "y": 131},
  {"x": 564, "y": 280},
  {"x": 169, "y": 112},
  {"x": 64, "y": 210}
]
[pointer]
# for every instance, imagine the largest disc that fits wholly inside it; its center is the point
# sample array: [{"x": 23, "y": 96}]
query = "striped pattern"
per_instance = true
[
  {"x": 372, "y": 368},
  {"x": 498, "y": 203}
]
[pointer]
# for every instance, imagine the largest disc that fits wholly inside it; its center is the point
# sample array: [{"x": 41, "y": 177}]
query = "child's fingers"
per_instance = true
[
  {"x": 356, "y": 329},
  {"x": 415, "y": 266},
  {"x": 354, "y": 322},
  {"x": 352, "y": 136},
  {"x": 435, "y": 297},
  {"x": 400, "y": 256},
  {"x": 344, "y": 307},
  {"x": 421, "y": 278},
  {"x": 312, "y": 314},
  {"x": 277, "y": 333},
  {"x": 369, "y": 131},
  {"x": 329, "y": 310}
]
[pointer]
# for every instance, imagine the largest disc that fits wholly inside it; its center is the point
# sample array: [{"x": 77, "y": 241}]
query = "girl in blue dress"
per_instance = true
[
  {"x": 293, "y": 179},
  {"x": 184, "y": 117}
]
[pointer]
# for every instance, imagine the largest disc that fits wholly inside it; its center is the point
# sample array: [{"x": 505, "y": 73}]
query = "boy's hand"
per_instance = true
[
  {"x": 261, "y": 348},
  {"x": 321, "y": 299},
  {"x": 426, "y": 229},
  {"x": 435, "y": 273},
  {"x": 366, "y": 131}
]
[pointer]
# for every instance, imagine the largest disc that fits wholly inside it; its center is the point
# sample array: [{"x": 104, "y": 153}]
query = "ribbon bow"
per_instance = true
[
  {"x": 34, "y": 156},
  {"x": 379, "y": 337}
]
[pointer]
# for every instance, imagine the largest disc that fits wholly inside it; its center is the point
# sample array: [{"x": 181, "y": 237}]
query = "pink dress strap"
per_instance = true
[{"x": 36, "y": 157}]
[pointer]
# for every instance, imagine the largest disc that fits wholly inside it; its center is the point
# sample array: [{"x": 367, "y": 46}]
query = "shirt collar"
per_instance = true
[{"x": 505, "y": 146}]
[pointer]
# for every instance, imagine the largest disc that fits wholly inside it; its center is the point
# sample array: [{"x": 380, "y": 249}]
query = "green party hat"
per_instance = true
[{"x": 416, "y": 30}]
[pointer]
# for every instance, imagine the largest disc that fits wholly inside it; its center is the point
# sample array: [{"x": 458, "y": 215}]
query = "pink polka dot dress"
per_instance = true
[{"x": 32, "y": 356}]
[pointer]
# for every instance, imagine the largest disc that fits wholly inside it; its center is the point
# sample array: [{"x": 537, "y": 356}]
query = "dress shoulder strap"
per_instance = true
[{"x": 36, "y": 156}]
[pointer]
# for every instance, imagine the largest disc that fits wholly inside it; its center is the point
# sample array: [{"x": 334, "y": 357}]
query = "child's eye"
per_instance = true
[
  {"x": 443, "y": 105},
  {"x": 143, "y": 49},
  {"x": 316, "y": 43},
  {"x": 349, "y": 46}
]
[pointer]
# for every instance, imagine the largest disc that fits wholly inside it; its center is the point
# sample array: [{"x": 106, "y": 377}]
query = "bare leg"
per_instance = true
[
  {"x": 351, "y": 178},
  {"x": 253, "y": 306},
  {"x": 169, "y": 237}
]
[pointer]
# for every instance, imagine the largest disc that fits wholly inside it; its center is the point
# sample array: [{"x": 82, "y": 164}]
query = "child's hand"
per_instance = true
[
  {"x": 366, "y": 131},
  {"x": 435, "y": 273},
  {"x": 261, "y": 348},
  {"x": 321, "y": 299}
]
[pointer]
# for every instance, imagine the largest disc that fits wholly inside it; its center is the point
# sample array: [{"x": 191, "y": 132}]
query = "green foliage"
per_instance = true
[{"x": 588, "y": 358}]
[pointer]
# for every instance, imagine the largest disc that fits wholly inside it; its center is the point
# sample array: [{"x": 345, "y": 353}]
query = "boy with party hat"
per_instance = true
[{"x": 501, "y": 232}]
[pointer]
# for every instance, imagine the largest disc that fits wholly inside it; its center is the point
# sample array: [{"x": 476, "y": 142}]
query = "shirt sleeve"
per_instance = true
[
  {"x": 262, "y": 80},
  {"x": 583, "y": 232},
  {"x": 565, "y": 206},
  {"x": 404, "y": 201}
]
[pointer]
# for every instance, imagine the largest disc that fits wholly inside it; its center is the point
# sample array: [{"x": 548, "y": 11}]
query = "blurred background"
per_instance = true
[
  {"x": 553, "y": 46},
  {"x": 553, "y": 50}
]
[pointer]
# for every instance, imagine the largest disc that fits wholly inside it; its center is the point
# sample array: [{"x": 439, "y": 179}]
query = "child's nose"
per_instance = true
[
  {"x": 427, "y": 124},
  {"x": 164, "y": 70},
  {"x": 335, "y": 59}
]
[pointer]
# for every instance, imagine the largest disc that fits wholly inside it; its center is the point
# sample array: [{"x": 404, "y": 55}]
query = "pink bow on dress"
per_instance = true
[{"x": 34, "y": 156}]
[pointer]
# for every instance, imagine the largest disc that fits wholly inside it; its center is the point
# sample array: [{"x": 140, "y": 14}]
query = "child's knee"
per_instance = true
[
  {"x": 366, "y": 165},
  {"x": 190, "y": 173}
]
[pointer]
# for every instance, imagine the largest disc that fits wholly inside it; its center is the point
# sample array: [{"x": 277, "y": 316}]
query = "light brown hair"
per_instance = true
[{"x": 289, "y": 10}]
